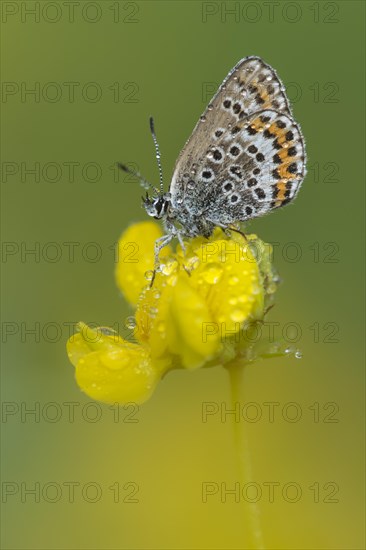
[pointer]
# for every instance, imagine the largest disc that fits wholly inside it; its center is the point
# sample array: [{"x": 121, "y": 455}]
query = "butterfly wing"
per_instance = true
[
  {"x": 246, "y": 154},
  {"x": 262, "y": 169}
]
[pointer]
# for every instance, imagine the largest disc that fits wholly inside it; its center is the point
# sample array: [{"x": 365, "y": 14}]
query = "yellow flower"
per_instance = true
[
  {"x": 200, "y": 311},
  {"x": 109, "y": 368}
]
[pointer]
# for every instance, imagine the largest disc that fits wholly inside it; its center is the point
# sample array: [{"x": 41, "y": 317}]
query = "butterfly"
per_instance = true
[{"x": 245, "y": 157}]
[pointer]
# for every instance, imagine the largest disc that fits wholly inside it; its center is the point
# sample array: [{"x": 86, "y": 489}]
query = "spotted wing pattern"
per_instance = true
[{"x": 246, "y": 155}]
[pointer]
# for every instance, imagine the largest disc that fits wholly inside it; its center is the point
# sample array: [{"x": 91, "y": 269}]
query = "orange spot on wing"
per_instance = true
[{"x": 281, "y": 189}]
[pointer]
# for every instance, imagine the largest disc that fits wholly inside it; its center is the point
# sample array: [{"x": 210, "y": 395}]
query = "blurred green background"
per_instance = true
[{"x": 99, "y": 69}]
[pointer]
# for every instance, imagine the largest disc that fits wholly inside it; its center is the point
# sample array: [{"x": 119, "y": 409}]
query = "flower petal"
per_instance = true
[
  {"x": 136, "y": 258},
  {"x": 227, "y": 276},
  {"x": 112, "y": 370}
]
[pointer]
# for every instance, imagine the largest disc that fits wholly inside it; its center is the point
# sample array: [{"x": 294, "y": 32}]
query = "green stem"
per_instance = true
[{"x": 244, "y": 466}]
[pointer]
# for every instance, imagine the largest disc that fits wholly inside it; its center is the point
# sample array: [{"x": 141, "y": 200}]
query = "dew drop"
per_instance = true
[
  {"x": 149, "y": 275},
  {"x": 237, "y": 315},
  {"x": 298, "y": 354},
  {"x": 169, "y": 268},
  {"x": 233, "y": 280},
  {"x": 212, "y": 274},
  {"x": 153, "y": 311},
  {"x": 202, "y": 118},
  {"x": 193, "y": 262},
  {"x": 130, "y": 323}
]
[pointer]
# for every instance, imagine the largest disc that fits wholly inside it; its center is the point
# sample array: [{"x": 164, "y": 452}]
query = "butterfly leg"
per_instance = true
[
  {"x": 236, "y": 230},
  {"x": 180, "y": 239},
  {"x": 228, "y": 228},
  {"x": 159, "y": 245}
]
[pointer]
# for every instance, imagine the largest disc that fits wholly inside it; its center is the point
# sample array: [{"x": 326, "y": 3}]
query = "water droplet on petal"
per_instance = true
[
  {"x": 169, "y": 267},
  {"x": 149, "y": 275},
  {"x": 256, "y": 290},
  {"x": 212, "y": 274},
  {"x": 237, "y": 315},
  {"x": 192, "y": 263},
  {"x": 233, "y": 280},
  {"x": 298, "y": 354},
  {"x": 130, "y": 323}
]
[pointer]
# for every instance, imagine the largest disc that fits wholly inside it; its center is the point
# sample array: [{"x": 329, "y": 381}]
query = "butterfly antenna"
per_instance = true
[
  {"x": 145, "y": 184},
  {"x": 157, "y": 153}
]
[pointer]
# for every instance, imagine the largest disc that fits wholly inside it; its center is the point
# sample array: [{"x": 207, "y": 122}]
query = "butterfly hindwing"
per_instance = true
[{"x": 263, "y": 164}]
